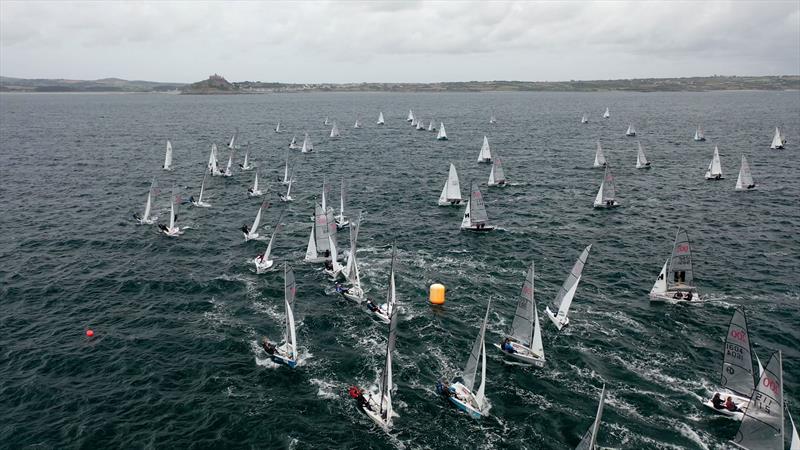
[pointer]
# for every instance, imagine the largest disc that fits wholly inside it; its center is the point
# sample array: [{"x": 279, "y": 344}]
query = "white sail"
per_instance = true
[
  {"x": 335, "y": 130},
  {"x": 228, "y": 168},
  {"x": 430, "y": 126},
  {"x": 311, "y": 249},
  {"x": 492, "y": 120},
  {"x": 357, "y": 124},
  {"x": 475, "y": 213},
  {"x": 278, "y": 127},
  {"x": 286, "y": 170},
  {"x": 606, "y": 195},
  {"x": 497, "y": 176},
  {"x": 336, "y": 267},
  {"x": 451, "y": 192},
  {"x": 476, "y": 356},
  {"x": 680, "y": 273},
  {"x": 442, "y": 135},
  {"x": 523, "y": 323},
  {"x": 168, "y": 157},
  {"x": 606, "y": 114},
  {"x": 148, "y": 207},
  {"x": 342, "y": 197},
  {"x": 257, "y": 222},
  {"x": 255, "y": 184},
  {"x": 173, "y": 216},
  {"x": 265, "y": 256},
  {"x": 326, "y": 121},
  {"x": 584, "y": 119},
  {"x": 660, "y": 286},
  {"x": 599, "y": 157},
  {"x": 589, "y": 441},
  {"x": 410, "y": 117},
  {"x": 293, "y": 143},
  {"x": 232, "y": 143},
  {"x": 380, "y": 119},
  {"x": 565, "y": 295},
  {"x": 745, "y": 179},
  {"x": 322, "y": 229},
  {"x": 641, "y": 159},
  {"x": 213, "y": 161},
  {"x": 351, "y": 272},
  {"x": 486, "y": 154},
  {"x": 289, "y": 293},
  {"x": 391, "y": 293},
  {"x": 762, "y": 424},
  {"x": 795, "y": 443},
  {"x": 631, "y": 131},
  {"x": 737, "y": 363},
  {"x": 699, "y": 135},
  {"x": 715, "y": 168},
  {"x": 777, "y": 140},
  {"x": 385, "y": 409},
  {"x": 307, "y": 145}
]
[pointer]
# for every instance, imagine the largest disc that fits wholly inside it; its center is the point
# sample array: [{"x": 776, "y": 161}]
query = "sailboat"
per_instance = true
[
  {"x": 584, "y": 119},
  {"x": 492, "y": 120},
  {"x": 380, "y": 119},
  {"x": 335, "y": 269},
  {"x": 485, "y": 156},
  {"x": 641, "y": 159},
  {"x": 699, "y": 136},
  {"x": 146, "y": 219},
  {"x": 714, "y": 171},
  {"x": 255, "y": 191},
  {"x": 262, "y": 261},
  {"x": 410, "y": 117},
  {"x": 286, "y": 170},
  {"x": 378, "y": 404},
  {"x": 232, "y": 144},
  {"x": 293, "y": 144},
  {"x": 384, "y": 311},
  {"x": 245, "y": 165},
  {"x": 172, "y": 230},
  {"x": 335, "y": 131},
  {"x": 565, "y": 295},
  {"x": 286, "y": 353},
  {"x": 497, "y": 177},
  {"x": 278, "y": 127},
  {"x": 460, "y": 392},
  {"x": 674, "y": 282},
  {"x": 318, "y": 249},
  {"x": 631, "y": 131},
  {"x": 420, "y": 125},
  {"x": 589, "y": 440},
  {"x": 213, "y": 162},
  {"x": 351, "y": 272},
  {"x": 524, "y": 344},
  {"x": 199, "y": 202},
  {"x": 288, "y": 196},
  {"x": 229, "y": 167},
  {"x": 341, "y": 220},
  {"x": 451, "y": 192},
  {"x": 475, "y": 218},
  {"x": 326, "y": 122},
  {"x": 736, "y": 378},
  {"x": 762, "y": 426},
  {"x": 168, "y": 157},
  {"x": 442, "y": 135},
  {"x": 795, "y": 443},
  {"x": 599, "y": 156},
  {"x": 777, "y": 140},
  {"x": 606, "y": 196},
  {"x": 308, "y": 147},
  {"x": 252, "y": 232},
  {"x": 414, "y": 122},
  {"x": 745, "y": 180},
  {"x": 606, "y": 114},
  {"x": 430, "y": 126},
  {"x": 357, "y": 124}
]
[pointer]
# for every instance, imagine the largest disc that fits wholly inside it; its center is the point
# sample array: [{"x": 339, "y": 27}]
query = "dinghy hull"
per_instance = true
[
  {"x": 262, "y": 267},
  {"x": 522, "y": 355},
  {"x": 674, "y": 296},
  {"x": 556, "y": 321},
  {"x": 741, "y": 402},
  {"x": 478, "y": 230},
  {"x": 464, "y": 400}
]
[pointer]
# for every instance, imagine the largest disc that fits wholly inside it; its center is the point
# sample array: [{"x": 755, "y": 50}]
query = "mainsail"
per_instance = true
[
  {"x": 410, "y": 117},
  {"x": 737, "y": 364},
  {"x": 564, "y": 297},
  {"x": 486, "y": 154},
  {"x": 351, "y": 269},
  {"x": 289, "y": 293},
  {"x": 442, "y": 135},
  {"x": 745, "y": 180},
  {"x": 452, "y": 188},
  {"x": 589, "y": 441},
  {"x": 151, "y": 194},
  {"x": 386, "y": 377},
  {"x": 478, "y": 353},
  {"x": 714, "y": 168},
  {"x": 335, "y": 130},
  {"x": 497, "y": 175},
  {"x": 599, "y": 157},
  {"x": 777, "y": 139},
  {"x": 762, "y": 424},
  {"x": 307, "y": 145},
  {"x": 680, "y": 272},
  {"x": 380, "y": 118},
  {"x": 699, "y": 135},
  {"x": 168, "y": 157},
  {"x": 476, "y": 209},
  {"x": 606, "y": 114},
  {"x": 525, "y": 327},
  {"x": 641, "y": 159}
]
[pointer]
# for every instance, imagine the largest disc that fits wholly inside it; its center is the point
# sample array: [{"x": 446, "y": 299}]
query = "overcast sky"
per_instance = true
[{"x": 397, "y": 41}]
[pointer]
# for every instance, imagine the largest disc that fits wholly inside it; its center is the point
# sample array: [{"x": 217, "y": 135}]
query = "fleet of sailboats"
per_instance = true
[
  {"x": 675, "y": 282},
  {"x": 714, "y": 171},
  {"x": 565, "y": 295}
]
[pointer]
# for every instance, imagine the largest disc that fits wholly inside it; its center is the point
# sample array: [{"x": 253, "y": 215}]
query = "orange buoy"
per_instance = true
[
  {"x": 89, "y": 333},
  {"x": 436, "y": 296}
]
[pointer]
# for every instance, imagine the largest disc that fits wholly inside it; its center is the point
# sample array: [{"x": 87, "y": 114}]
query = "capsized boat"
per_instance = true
[
  {"x": 335, "y": 131},
  {"x": 606, "y": 196},
  {"x": 699, "y": 135},
  {"x": 777, "y": 140},
  {"x": 524, "y": 344},
  {"x": 146, "y": 218},
  {"x": 172, "y": 230},
  {"x": 460, "y": 391},
  {"x": 380, "y": 119},
  {"x": 675, "y": 281},
  {"x": 599, "y": 156},
  {"x": 497, "y": 177},
  {"x": 745, "y": 181},
  {"x": 252, "y": 232},
  {"x": 475, "y": 217},
  {"x": 213, "y": 162},
  {"x": 641, "y": 159},
  {"x": 286, "y": 352},
  {"x": 589, "y": 440},
  {"x": 262, "y": 261},
  {"x": 168, "y": 157},
  {"x": 341, "y": 220},
  {"x": 631, "y": 131},
  {"x": 254, "y": 191},
  {"x": 200, "y": 202},
  {"x": 308, "y": 147},
  {"x": 485, "y": 156},
  {"x": 451, "y": 192},
  {"x": 714, "y": 171},
  {"x": 565, "y": 295},
  {"x": 377, "y": 404},
  {"x": 442, "y": 135},
  {"x": 736, "y": 380},
  {"x": 762, "y": 426}
]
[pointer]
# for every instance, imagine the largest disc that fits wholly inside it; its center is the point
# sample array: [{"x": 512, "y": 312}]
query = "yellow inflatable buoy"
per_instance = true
[{"x": 437, "y": 294}]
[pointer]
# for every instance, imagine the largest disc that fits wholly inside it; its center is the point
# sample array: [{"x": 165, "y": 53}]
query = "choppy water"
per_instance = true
[{"x": 175, "y": 363}]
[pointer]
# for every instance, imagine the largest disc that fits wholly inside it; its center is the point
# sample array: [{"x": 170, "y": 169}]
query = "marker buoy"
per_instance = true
[
  {"x": 437, "y": 294},
  {"x": 89, "y": 333}
]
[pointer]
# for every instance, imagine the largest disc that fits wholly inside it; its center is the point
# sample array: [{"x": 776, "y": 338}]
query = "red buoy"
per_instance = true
[{"x": 89, "y": 332}]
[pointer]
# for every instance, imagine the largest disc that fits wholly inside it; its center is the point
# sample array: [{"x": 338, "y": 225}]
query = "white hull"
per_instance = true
[
  {"x": 250, "y": 236},
  {"x": 478, "y": 230},
  {"x": 286, "y": 198},
  {"x": 374, "y": 401},
  {"x": 451, "y": 203},
  {"x": 556, "y": 321},
  {"x": 464, "y": 400},
  {"x": 500, "y": 184},
  {"x": 262, "y": 267},
  {"x": 603, "y": 205},
  {"x": 670, "y": 296},
  {"x": 173, "y": 232},
  {"x": 150, "y": 221},
  {"x": 523, "y": 354},
  {"x": 255, "y": 193},
  {"x": 355, "y": 294},
  {"x": 741, "y": 402}
]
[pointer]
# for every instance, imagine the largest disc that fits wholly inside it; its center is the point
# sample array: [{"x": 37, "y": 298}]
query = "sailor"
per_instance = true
[
  {"x": 328, "y": 266},
  {"x": 340, "y": 288},
  {"x": 191, "y": 199},
  {"x": 163, "y": 228},
  {"x": 372, "y": 306},
  {"x": 249, "y": 190},
  {"x": 245, "y": 229},
  {"x": 717, "y": 401},
  {"x": 260, "y": 258},
  {"x": 137, "y": 216},
  {"x": 268, "y": 346},
  {"x": 609, "y": 202},
  {"x": 688, "y": 296},
  {"x": 730, "y": 406},
  {"x": 507, "y": 347}
]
